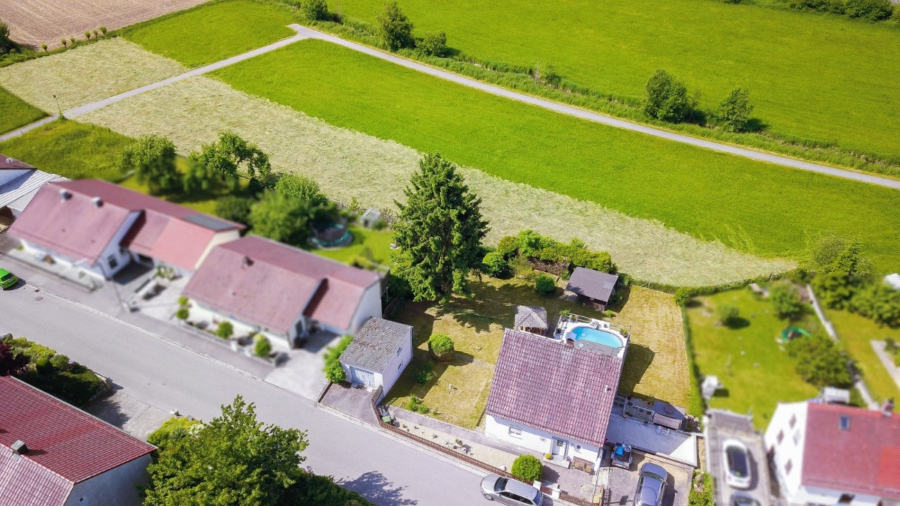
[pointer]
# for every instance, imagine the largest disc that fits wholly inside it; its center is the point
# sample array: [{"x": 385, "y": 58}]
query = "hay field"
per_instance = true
[
  {"x": 86, "y": 74},
  {"x": 351, "y": 164},
  {"x": 33, "y": 22}
]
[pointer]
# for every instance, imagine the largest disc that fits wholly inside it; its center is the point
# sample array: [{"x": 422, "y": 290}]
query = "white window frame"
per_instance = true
[{"x": 515, "y": 432}]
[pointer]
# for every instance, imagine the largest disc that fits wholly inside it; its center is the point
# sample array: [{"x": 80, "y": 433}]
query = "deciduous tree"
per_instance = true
[
  {"x": 152, "y": 158},
  {"x": 282, "y": 218},
  {"x": 734, "y": 111},
  {"x": 233, "y": 158},
  {"x": 666, "y": 98},
  {"x": 785, "y": 301},
  {"x": 395, "y": 27}
]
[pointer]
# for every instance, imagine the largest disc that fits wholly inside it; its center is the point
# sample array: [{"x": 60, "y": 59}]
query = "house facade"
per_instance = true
[
  {"x": 52, "y": 453},
  {"x": 378, "y": 354},
  {"x": 833, "y": 454}
]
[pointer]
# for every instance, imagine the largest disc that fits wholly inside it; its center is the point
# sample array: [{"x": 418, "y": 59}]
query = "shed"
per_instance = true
[
  {"x": 370, "y": 218},
  {"x": 831, "y": 395},
  {"x": 592, "y": 286},
  {"x": 893, "y": 280},
  {"x": 532, "y": 319},
  {"x": 378, "y": 354}
]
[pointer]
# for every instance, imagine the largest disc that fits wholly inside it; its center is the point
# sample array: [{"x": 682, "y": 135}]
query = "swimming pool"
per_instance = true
[{"x": 597, "y": 336}]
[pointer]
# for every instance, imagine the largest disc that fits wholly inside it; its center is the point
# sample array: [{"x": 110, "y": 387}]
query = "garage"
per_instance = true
[
  {"x": 378, "y": 354},
  {"x": 362, "y": 377}
]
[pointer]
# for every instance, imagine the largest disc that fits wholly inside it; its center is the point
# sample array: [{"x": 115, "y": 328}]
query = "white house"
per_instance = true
[
  {"x": 552, "y": 398},
  {"x": 53, "y": 454},
  {"x": 833, "y": 454},
  {"x": 263, "y": 286},
  {"x": 378, "y": 354}
]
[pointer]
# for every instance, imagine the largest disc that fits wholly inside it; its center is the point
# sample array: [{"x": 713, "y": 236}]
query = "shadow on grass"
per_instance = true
[
  {"x": 621, "y": 299},
  {"x": 737, "y": 323},
  {"x": 637, "y": 362}
]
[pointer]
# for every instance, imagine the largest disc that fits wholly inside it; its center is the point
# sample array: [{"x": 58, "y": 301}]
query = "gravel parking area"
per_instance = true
[{"x": 623, "y": 483}]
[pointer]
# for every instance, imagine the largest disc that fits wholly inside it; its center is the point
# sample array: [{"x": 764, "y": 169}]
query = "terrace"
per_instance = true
[{"x": 597, "y": 335}]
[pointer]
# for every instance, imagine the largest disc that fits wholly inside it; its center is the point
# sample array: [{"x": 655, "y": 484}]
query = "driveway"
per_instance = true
[
  {"x": 622, "y": 483},
  {"x": 724, "y": 425}
]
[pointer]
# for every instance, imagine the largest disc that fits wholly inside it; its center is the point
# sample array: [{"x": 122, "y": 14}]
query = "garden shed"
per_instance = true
[
  {"x": 532, "y": 319},
  {"x": 378, "y": 354},
  {"x": 592, "y": 286}
]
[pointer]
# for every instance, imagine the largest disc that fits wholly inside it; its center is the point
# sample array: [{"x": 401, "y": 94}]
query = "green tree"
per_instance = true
[
  {"x": 494, "y": 265},
  {"x": 395, "y": 27},
  {"x": 544, "y": 285},
  {"x": 879, "y": 302},
  {"x": 303, "y": 188},
  {"x": 841, "y": 270},
  {"x": 873, "y": 10},
  {"x": 666, "y": 98},
  {"x": 152, "y": 159},
  {"x": 232, "y": 460},
  {"x": 315, "y": 10},
  {"x": 234, "y": 208},
  {"x": 441, "y": 346},
  {"x": 233, "y": 158},
  {"x": 439, "y": 231},
  {"x": 785, "y": 301},
  {"x": 527, "y": 468},
  {"x": 727, "y": 313},
  {"x": 734, "y": 111},
  {"x": 282, "y": 218},
  {"x": 433, "y": 44},
  {"x": 819, "y": 362}
]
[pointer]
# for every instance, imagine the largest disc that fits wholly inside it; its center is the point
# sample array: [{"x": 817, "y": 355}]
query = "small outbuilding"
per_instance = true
[
  {"x": 592, "y": 286},
  {"x": 893, "y": 280},
  {"x": 378, "y": 354},
  {"x": 532, "y": 319}
]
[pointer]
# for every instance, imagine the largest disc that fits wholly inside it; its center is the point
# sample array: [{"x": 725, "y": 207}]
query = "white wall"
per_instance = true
[
  {"x": 114, "y": 250},
  {"x": 538, "y": 440},
  {"x": 200, "y": 311},
  {"x": 369, "y": 306},
  {"x": 113, "y": 488},
  {"x": 219, "y": 238},
  {"x": 39, "y": 252},
  {"x": 791, "y": 447},
  {"x": 398, "y": 363}
]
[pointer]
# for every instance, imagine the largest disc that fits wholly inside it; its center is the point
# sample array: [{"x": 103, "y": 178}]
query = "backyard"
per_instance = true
[{"x": 856, "y": 332}]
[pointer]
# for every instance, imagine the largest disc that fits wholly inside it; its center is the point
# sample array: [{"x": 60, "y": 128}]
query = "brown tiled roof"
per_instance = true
[
  {"x": 560, "y": 389},
  {"x": 592, "y": 284}
]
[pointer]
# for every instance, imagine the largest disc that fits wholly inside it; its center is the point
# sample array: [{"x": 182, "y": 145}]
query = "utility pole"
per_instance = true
[{"x": 58, "y": 108}]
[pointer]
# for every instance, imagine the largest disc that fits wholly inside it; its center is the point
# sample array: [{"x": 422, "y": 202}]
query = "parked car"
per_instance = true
[
  {"x": 651, "y": 485},
  {"x": 743, "y": 499},
  {"x": 508, "y": 491},
  {"x": 621, "y": 456},
  {"x": 736, "y": 457},
  {"x": 7, "y": 279}
]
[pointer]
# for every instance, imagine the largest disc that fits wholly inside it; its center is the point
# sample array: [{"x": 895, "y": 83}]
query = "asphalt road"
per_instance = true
[{"x": 149, "y": 369}]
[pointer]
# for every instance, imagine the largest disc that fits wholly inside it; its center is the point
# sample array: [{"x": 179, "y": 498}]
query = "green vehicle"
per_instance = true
[{"x": 7, "y": 279}]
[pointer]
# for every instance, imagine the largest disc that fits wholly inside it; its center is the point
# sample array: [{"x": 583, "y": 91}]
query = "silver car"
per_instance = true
[
  {"x": 651, "y": 485},
  {"x": 509, "y": 491},
  {"x": 738, "y": 472}
]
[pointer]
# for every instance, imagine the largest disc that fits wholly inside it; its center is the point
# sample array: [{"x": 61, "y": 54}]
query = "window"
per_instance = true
[
  {"x": 788, "y": 467},
  {"x": 113, "y": 263},
  {"x": 780, "y": 436},
  {"x": 399, "y": 350},
  {"x": 793, "y": 420},
  {"x": 515, "y": 432},
  {"x": 845, "y": 422},
  {"x": 577, "y": 448},
  {"x": 846, "y": 499}
]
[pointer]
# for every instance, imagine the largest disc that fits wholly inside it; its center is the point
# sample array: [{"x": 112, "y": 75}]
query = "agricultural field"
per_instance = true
[
  {"x": 761, "y": 209},
  {"x": 857, "y": 332},
  {"x": 214, "y": 32},
  {"x": 823, "y": 78},
  {"x": 16, "y": 112},
  {"x": 351, "y": 164},
  {"x": 33, "y": 22}
]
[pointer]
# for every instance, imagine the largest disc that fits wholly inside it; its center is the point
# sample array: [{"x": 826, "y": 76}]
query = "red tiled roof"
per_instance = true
[
  {"x": 63, "y": 440},
  {"x": 864, "y": 459},
  {"x": 25, "y": 483},
  {"x": 278, "y": 284},
  {"x": 560, "y": 389},
  {"x": 11, "y": 163}
]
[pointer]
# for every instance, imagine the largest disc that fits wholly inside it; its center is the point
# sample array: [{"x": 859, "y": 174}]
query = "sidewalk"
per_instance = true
[{"x": 886, "y": 360}]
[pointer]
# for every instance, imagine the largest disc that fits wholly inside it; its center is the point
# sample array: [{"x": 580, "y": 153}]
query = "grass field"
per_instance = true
[
  {"x": 214, "y": 32},
  {"x": 16, "y": 112},
  {"x": 815, "y": 77},
  {"x": 752, "y": 206},
  {"x": 755, "y": 370},
  {"x": 856, "y": 333}
]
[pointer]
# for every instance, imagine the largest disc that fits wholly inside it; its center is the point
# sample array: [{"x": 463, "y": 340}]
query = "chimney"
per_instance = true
[
  {"x": 247, "y": 262},
  {"x": 19, "y": 447},
  {"x": 64, "y": 194},
  {"x": 97, "y": 201},
  {"x": 887, "y": 407}
]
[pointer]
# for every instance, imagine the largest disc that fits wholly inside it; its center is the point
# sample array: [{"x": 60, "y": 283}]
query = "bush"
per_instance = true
[
  {"x": 820, "y": 362},
  {"x": 43, "y": 366},
  {"x": 441, "y": 346},
  {"x": 315, "y": 10},
  {"x": 785, "y": 301},
  {"x": 416, "y": 405},
  {"x": 702, "y": 491},
  {"x": 666, "y": 98},
  {"x": 309, "y": 489},
  {"x": 683, "y": 296},
  {"x": 334, "y": 371},
  {"x": 727, "y": 313},
  {"x": 508, "y": 247},
  {"x": 544, "y": 285},
  {"x": 878, "y": 302},
  {"x": 171, "y": 431},
  {"x": 233, "y": 208},
  {"x": 60, "y": 362},
  {"x": 495, "y": 266},
  {"x": 433, "y": 44},
  {"x": 734, "y": 111},
  {"x": 423, "y": 376},
  {"x": 225, "y": 330},
  {"x": 873, "y": 10},
  {"x": 182, "y": 313},
  {"x": 527, "y": 468},
  {"x": 262, "y": 347},
  {"x": 395, "y": 27}
]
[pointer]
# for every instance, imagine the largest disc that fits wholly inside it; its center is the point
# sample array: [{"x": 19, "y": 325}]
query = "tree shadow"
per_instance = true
[
  {"x": 620, "y": 298},
  {"x": 755, "y": 125},
  {"x": 637, "y": 361},
  {"x": 377, "y": 489},
  {"x": 108, "y": 409},
  {"x": 737, "y": 323}
]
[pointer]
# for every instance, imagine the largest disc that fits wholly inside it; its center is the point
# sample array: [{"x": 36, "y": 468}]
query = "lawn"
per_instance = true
[
  {"x": 371, "y": 245},
  {"x": 752, "y": 206},
  {"x": 16, "y": 112},
  {"x": 755, "y": 370},
  {"x": 856, "y": 332},
  {"x": 810, "y": 76},
  {"x": 214, "y": 31},
  {"x": 655, "y": 365}
]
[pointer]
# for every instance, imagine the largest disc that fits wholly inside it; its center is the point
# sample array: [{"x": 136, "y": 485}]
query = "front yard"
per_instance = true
[{"x": 457, "y": 391}]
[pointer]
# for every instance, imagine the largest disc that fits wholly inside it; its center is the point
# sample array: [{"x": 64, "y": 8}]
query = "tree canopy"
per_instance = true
[
  {"x": 282, "y": 218},
  {"x": 395, "y": 27},
  {"x": 301, "y": 187},
  {"x": 667, "y": 98},
  {"x": 152, "y": 159},
  {"x": 225, "y": 162},
  {"x": 734, "y": 111},
  {"x": 785, "y": 301}
]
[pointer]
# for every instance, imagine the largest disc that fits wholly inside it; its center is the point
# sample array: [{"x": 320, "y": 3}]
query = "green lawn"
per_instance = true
[
  {"x": 213, "y": 32},
  {"x": 755, "y": 370},
  {"x": 855, "y": 332},
  {"x": 817, "y": 77},
  {"x": 367, "y": 244},
  {"x": 15, "y": 112},
  {"x": 755, "y": 207}
]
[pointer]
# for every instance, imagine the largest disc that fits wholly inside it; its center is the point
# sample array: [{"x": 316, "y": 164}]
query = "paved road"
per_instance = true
[{"x": 164, "y": 375}]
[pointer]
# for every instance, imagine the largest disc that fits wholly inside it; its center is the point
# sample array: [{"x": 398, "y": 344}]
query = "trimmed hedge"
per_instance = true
[{"x": 51, "y": 372}]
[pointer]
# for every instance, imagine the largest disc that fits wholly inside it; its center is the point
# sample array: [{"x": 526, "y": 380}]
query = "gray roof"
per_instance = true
[
  {"x": 592, "y": 284},
  {"x": 376, "y": 344},
  {"x": 531, "y": 317},
  {"x": 18, "y": 192}
]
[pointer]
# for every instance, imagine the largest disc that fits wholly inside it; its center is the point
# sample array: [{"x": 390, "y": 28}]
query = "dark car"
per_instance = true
[
  {"x": 508, "y": 491},
  {"x": 742, "y": 499},
  {"x": 621, "y": 456},
  {"x": 651, "y": 485}
]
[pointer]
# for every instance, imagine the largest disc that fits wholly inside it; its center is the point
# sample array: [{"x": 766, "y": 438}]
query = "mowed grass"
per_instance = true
[
  {"x": 15, "y": 112},
  {"x": 213, "y": 32},
  {"x": 371, "y": 245},
  {"x": 749, "y": 360},
  {"x": 752, "y": 206},
  {"x": 817, "y": 77},
  {"x": 857, "y": 332}
]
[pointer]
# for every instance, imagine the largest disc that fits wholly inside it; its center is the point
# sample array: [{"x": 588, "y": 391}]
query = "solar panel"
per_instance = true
[{"x": 206, "y": 221}]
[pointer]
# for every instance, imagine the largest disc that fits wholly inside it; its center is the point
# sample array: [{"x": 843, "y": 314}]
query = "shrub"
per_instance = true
[
  {"x": 262, "y": 347},
  {"x": 666, "y": 98},
  {"x": 44, "y": 47},
  {"x": 433, "y": 44},
  {"x": 333, "y": 369},
  {"x": 442, "y": 346},
  {"x": 820, "y": 362},
  {"x": 225, "y": 330},
  {"x": 315, "y": 10},
  {"x": 495, "y": 266},
  {"x": 873, "y": 10},
  {"x": 234, "y": 208},
  {"x": 183, "y": 313},
  {"x": 43, "y": 365},
  {"x": 702, "y": 491},
  {"x": 508, "y": 247},
  {"x": 103, "y": 30},
  {"x": 544, "y": 285},
  {"x": 64, "y": 42},
  {"x": 416, "y": 405},
  {"x": 87, "y": 35},
  {"x": 335, "y": 372},
  {"x": 527, "y": 468},
  {"x": 734, "y": 111},
  {"x": 683, "y": 296},
  {"x": 183, "y": 301},
  {"x": 423, "y": 376},
  {"x": 171, "y": 431},
  {"x": 896, "y": 15},
  {"x": 395, "y": 27},
  {"x": 878, "y": 302},
  {"x": 60, "y": 362},
  {"x": 785, "y": 301},
  {"x": 727, "y": 313}
]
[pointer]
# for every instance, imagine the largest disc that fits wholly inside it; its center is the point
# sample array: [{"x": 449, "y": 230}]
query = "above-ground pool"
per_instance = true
[{"x": 597, "y": 336}]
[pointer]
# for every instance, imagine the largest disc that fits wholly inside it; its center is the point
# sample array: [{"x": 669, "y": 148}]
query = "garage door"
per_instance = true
[{"x": 363, "y": 377}]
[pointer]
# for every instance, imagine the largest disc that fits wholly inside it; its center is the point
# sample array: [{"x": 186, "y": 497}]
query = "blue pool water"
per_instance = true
[{"x": 597, "y": 336}]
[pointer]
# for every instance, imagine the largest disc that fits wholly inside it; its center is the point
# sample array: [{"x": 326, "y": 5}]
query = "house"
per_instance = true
[
  {"x": 834, "y": 454},
  {"x": 551, "y": 397},
  {"x": 263, "y": 286},
  {"x": 52, "y": 453},
  {"x": 592, "y": 286},
  {"x": 19, "y": 182},
  {"x": 532, "y": 319},
  {"x": 101, "y": 227},
  {"x": 378, "y": 354}
]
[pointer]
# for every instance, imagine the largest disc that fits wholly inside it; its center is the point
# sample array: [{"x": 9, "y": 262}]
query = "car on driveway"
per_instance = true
[
  {"x": 736, "y": 458},
  {"x": 509, "y": 491},
  {"x": 651, "y": 485},
  {"x": 7, "y": 279},
  {"x": 742, "y": 499},
  {"x": 621, "y": 456}
]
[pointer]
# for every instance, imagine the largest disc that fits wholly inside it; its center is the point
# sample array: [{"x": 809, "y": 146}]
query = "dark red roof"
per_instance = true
[
  {"x": 864, "y": 459},
  {"x": 63, "y": 440},
  {"x": 553, "y": 387},
  {"x": 11, "y": 163},
  {"x": 272, "y": 284}
]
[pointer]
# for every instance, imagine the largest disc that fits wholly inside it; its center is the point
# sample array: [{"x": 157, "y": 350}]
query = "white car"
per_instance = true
[{"x": 736, "y": 458}]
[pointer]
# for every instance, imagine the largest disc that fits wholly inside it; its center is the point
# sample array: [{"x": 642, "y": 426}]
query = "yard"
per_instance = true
[
  {"x": 747, "y": 356},
  {"x": 458, "y": 390},
  {"x": 370, "y": 245},
  {"x": 16, "y": 112},
  {"x": 856, "y": 332}
]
